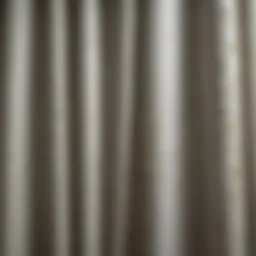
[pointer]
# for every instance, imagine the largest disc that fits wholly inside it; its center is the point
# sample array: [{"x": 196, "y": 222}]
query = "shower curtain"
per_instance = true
[{"x": 127, "y": 128}]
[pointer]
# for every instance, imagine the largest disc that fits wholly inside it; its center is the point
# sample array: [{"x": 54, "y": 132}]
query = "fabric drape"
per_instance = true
[{"x": 127, "y": 128}]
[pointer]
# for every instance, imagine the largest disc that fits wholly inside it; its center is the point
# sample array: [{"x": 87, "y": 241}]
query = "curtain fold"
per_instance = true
[{"x": 127, "y": 128}]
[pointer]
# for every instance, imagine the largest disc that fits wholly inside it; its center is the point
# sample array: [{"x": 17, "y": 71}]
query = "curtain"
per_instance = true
[{"x": 127, "y": 128}]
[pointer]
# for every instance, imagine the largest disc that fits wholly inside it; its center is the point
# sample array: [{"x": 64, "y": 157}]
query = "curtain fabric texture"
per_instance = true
[{"x": 127, "y": 128}]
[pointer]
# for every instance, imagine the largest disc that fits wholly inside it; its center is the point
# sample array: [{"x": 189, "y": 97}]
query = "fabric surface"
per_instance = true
[{"x": 127, "y": 128}]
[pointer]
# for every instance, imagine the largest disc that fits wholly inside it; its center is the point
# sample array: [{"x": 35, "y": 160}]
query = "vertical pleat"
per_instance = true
[
  {"x": 3, "y": 55},
  {"x": 91, "y": 137},
  {"x": 195, "y": 226},
  {"x": 231, "y": 88},
  {"x": 111, "y": 65},
  {"x": 249, "y": 33},
  {"x": 139, "y": 240},
  {"x": 205, "y": 200},
  {"x": 75, "y": 126},
  {"x": 42, "y": 151},
  {"x": 166, "y": 103},
  {"x": 125, "y": 128},
  {"x": 60, "y": 128},
  {"x": 18, "y": 104}
]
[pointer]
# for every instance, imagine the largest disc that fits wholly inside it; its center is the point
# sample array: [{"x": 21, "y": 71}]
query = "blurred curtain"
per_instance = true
[{"x": 127, "y": 127}]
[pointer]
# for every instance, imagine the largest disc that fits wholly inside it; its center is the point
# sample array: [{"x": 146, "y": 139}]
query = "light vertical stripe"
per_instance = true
[
  {"x": 167, "y": 101},
  {"x": 60, "y": 128},
  {"x": 91, "y": 83},
  {"x": 250, "y": 16},
  {"x": 123, "y": 158},
  {"x": 232, "y": 131},
  {"x": 17, "y": 154}
]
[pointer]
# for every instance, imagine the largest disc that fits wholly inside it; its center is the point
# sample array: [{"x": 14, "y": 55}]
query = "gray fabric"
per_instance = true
[{"x": 126, "y": 128}]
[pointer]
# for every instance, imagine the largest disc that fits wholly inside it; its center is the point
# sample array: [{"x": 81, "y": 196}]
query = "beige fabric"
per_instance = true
[{"x": 127, "y": 128}]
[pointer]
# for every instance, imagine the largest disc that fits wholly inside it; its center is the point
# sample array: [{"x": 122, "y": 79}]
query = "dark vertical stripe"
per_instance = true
[
  {"x": 41, "y": 153},
  {"x": 111, "y": 11},
  {"x": 245, "y": 27},
  {"x": 75, "y": 126},
  {"x": 141, "y": 198}
]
